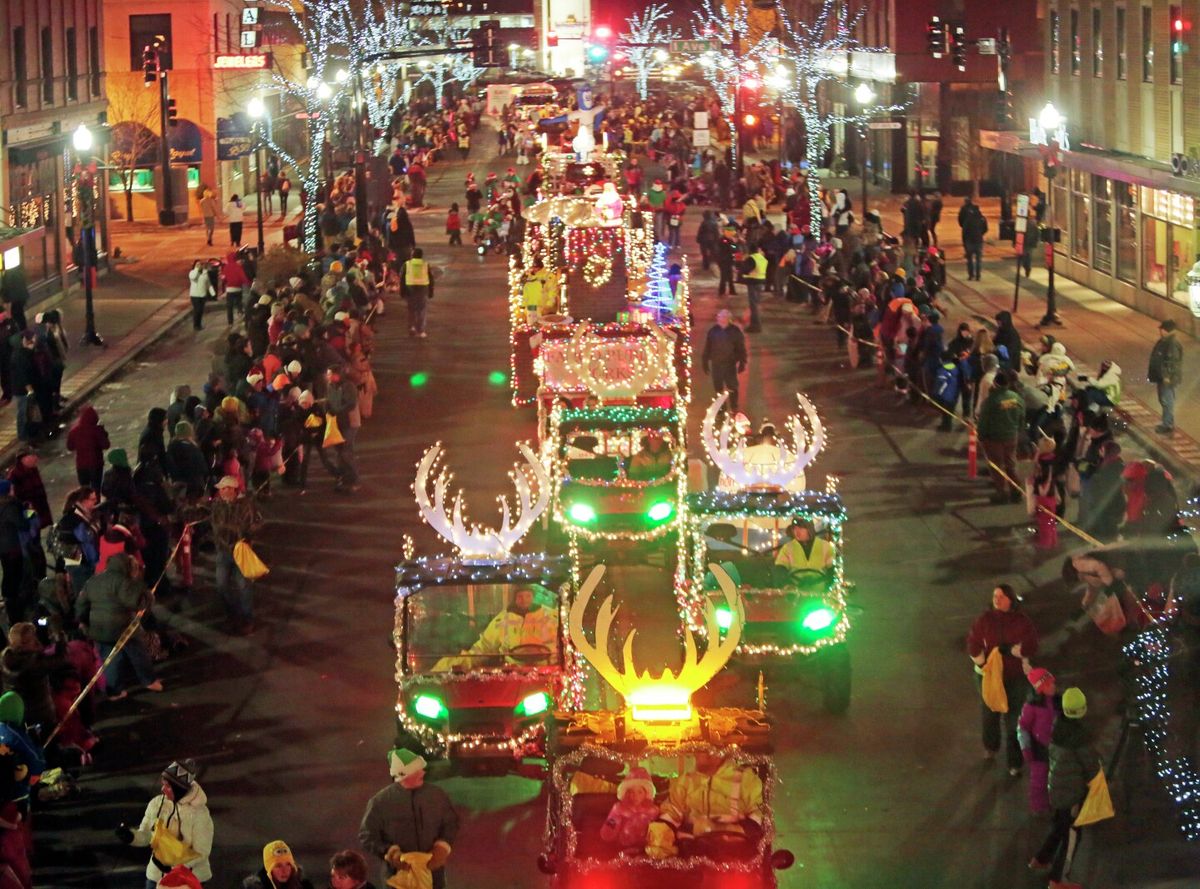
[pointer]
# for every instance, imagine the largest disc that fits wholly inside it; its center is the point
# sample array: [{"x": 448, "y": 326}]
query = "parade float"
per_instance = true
[
  {"x": 705, "y": 775},
  {"x": 781, "y": 543},
  {"x": 480, "y": 645}
]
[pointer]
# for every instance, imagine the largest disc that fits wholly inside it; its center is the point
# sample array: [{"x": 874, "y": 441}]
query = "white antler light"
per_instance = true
[
  {"x": 481, "y": 541},
  {"x": 806, "y": 444}
]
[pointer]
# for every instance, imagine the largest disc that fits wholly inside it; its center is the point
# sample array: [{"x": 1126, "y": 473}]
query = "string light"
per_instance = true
[{"x": 598, "y": 270}]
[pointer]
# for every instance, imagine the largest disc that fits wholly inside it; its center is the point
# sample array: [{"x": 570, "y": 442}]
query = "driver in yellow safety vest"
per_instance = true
[
  {"x": 719, "y": 795},
  {"x": 805, "y": 551},
  {"x": 524, "y": 622},
  {"x": 537, "y": 291}
]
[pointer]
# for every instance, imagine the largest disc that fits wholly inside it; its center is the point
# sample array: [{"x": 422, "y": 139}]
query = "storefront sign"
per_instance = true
[
  {"x": 1039, "y": 136},
  {"x": 251, "y": 62},
  {"x": 233, "y": 137}
]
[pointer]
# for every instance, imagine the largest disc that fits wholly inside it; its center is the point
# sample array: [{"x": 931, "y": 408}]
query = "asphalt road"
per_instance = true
[{"x": 291, "y": 725}]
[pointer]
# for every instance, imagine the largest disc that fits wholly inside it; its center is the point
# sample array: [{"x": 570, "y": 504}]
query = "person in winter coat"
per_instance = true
[
  {"x": 1006, "y": 336},
  {"x": 974, "y": 226},
  {"x": 409, "y": 822},
  {"x": 26, "y": 669},
  {"x": 236, "y": 283},
  {"x": 279, "y": 870},
  {"x": 1073, "y": 763},
  {"x": 629, "y": 818},
  {"x": 1001, "y": 417},
  {"x": 200, "y": 288},
  {"x": 235, "y": 215},
  {"x": 189, "y": 467},
  {"x": 725, "y": 356},
  {"x": 348, "y": 870},
  {"x": 1006, "y": 627},
  {"x": 180, "y": 810},
  {"x": 27, "y": 486},
  {"x": 23, "y": 758},
  {"x": 105, "y": 607},
  {"x": 1034, "y": 728},
  {"x": 153, "y": 437},
  {"x": 1166, "y": 372}
]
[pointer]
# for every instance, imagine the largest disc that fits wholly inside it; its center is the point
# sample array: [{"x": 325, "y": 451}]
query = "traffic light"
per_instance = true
[
  {"x": 1179, "y": 27},
  {"x": 597, "y": 52},
  {"x": 599, "y": 47},
  {"x": 172, "y": 112},
  {"x": 958, "y": 46},
  {"x": 486, "y": 53},
  {"x": 935, "y": 35},
  {"x": 749, "y": 120},
  {"x": 150, "y": 64}
]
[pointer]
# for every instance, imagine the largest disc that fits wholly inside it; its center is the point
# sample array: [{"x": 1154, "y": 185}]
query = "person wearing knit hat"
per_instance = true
[
  {"x": 409, "y": 820},
  {"x": 1073, "y": 764},
  {"x": 630, "y": 817},
  {"x": 280, "y": 383},
  {"x": 293, "y": 368},
  {"x": 176, "y": 826},
  {"x": 279, "y": 870},
  {"x": 1007, "y": 628},
  {"x": 1034, "y": 729},
  {"x": 118, "y": 458}
]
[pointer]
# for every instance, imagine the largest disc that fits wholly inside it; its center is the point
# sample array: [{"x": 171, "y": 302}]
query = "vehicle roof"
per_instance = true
[
  {"x": 437, "y": 571},
  {"x": 767, "y": 503},
  {"x": 617, "y": 416}
]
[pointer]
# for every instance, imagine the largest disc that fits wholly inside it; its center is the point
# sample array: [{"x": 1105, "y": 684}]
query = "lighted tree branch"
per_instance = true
[{"x": 646, "y": 27}]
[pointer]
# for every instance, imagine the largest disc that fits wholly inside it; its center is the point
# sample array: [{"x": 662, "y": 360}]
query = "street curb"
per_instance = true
[{"x": 79, "y": 397}]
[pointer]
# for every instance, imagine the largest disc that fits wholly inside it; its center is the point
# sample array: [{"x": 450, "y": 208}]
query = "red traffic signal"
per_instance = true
[
  {"x": 551, "y": 38},
  {"x": 602, "y": 32},
  {"x": 749, "y": 120}
]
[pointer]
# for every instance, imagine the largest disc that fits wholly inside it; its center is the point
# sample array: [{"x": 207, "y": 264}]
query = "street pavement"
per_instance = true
[{"x": 291, "y": 725}]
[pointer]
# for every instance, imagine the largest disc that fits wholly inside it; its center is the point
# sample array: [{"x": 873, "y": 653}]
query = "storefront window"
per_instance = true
[
  {"x": 1154, "y": 255},
  {"x": 1125, "y": 199},
  {"x": 1080, "y": 215},
  {"x": 1062, "y": 211},
  {"x": 1183, "y": 254},
  {"x": 1102, "y": 224}
]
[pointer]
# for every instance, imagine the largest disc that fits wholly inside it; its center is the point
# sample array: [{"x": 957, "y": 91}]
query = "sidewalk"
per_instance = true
[
  {"x": 1095, "y": 328},
  {"x": 142, "y": 299}
]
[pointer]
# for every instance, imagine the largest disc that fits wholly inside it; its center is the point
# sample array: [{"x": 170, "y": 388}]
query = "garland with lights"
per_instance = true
[{"x": 560, "y": 810}]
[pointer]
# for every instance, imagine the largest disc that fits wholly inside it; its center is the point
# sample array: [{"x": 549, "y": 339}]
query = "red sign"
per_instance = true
[{"x": 243, "y": 63}]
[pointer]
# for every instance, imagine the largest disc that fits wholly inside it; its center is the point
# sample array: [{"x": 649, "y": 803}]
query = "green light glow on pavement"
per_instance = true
[
  {"x": 498, "y": 378},
  {"x": 419, "y": 379}
]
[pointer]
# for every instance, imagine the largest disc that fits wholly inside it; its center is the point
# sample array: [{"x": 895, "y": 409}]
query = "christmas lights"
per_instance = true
[
  {"x": 787, "y": 470},
  {"x": 598, "y": 270},
  {"x": 643, "y": 41}
]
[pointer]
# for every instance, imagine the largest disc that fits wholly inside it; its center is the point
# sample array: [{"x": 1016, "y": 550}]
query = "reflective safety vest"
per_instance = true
[
  {"x": 760, "y": 268},
  {"x": 720, "y": 802},
  {"x": 793, "y": 556},
  {"x": 416, "y": 273}
]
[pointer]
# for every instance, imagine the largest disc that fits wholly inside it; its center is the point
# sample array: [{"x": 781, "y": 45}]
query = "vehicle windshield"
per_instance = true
[
  {"x": 765, "y": 552},
  {"x": 478, "y": 626},
  {"x": 609, "y": 454}
]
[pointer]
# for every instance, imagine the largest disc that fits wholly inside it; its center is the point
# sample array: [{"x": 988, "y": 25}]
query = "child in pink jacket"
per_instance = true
[
  {"x": 630, "y": 816},
  {"x": 1033, "y": 733}
]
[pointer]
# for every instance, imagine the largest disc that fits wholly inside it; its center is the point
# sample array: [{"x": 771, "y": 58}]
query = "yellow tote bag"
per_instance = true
[
  {"x": 1098, "y": 804},
  {"x": 333, "y": 435},
  {"x": 993, "y": 683},
  {"x": 248, "y": 562},
  {"x": 169, "y": 849},
  {"x": 313, "y": 422},
  {"x": 418, "y": 875}
]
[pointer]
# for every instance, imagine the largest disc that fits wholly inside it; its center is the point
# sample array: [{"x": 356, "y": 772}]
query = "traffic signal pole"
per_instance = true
[{"x": 166, "y": 215}]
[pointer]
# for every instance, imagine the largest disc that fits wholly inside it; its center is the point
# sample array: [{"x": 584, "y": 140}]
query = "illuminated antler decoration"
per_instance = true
[
  {"x": 650, "y": 361},
  {"x": 480, "y": 540},
  {"x": 792, "y": 462},
  {"x": 667, "y": 696}
]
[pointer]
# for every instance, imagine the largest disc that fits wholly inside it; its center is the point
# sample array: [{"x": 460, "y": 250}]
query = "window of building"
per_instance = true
[
  {"x": 1102, "y": 246},
  {"x": 1168, "y": 242},
  {"x": 143, "y": 31},
  {"x": 1055, "y": 42},
  {"x": 1125, "y": 198},
  {"x": 1061, "y": 207},
  {"x": 1155, "y": 265},
  {"x": 1097, "y": 44},
  {"x": 47, "y": 66},
  {"x": 1122, "y": 58},
  {"x": 1176, "y": 28},
  {"x": 1081, "y": 205},
  {"x": 94, "y": 59},
  {"x": 72, "y": 66},
  {"x": 20, "y": 67},
  {"x": 1076, "y": 48},
  {"x": 1147, "y": 44}
]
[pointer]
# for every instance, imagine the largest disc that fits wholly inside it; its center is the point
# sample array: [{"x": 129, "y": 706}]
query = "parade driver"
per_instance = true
[
  {"x": 804, "y": 550},
  {"x": 525, "y": 622},
  {"x": 653, "y": 460},
  {"x": 719, "y": 796}
]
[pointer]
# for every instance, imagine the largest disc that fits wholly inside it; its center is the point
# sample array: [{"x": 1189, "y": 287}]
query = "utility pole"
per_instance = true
[{"x": 153, "y": 70}]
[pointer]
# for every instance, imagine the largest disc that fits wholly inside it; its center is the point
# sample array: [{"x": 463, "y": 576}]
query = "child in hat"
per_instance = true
[
  {"x": 1034, "y": 730},
  {"x": 631, "y": 814}
]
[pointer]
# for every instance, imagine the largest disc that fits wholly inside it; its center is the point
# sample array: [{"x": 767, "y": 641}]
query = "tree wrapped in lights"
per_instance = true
[
  {"x": 385, "y": 26},
  {"x": 817, "y": 51},
  {"x": 644, "y": 28},
  {"x": 453, "y": 67},
  {"x": 327, "y": 30},
  {"x": 716, "y": 21}
]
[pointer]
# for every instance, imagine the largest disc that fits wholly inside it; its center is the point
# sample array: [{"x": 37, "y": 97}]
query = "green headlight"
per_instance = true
[
  {"x": 819, "y": 619},
  {"x": 429, "y": 707},
  {"x": 538, "y": 702},
  {"x": 582, "y": 513},
  {"x": 660, "y": 511}
]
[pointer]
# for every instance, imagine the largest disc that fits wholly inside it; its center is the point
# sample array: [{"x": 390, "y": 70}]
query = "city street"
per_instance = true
[{"x": 290, "y": 726}]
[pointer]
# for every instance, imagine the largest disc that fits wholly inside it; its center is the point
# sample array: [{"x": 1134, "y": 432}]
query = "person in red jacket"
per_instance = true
[
  {"x": 236, "y": 285},
  {"x": 89, "y": 440},
  {"x": 1006, "y": 627}
]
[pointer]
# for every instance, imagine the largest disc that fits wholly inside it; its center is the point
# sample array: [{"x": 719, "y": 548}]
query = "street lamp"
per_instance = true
[
  {"x": 865, "y": 97},
  {"x": 85, "y": 213},
  {"x": 1050, "y": 121},
  {"x": 258, "y": 110}
]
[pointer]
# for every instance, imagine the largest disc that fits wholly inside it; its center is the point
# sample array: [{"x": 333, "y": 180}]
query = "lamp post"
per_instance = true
[
  {"x": 85, "y": 213},
  {"x": 864, "y": 96},
  {"x": 258, "y": 110},
  {"x": 1050, "y": 121}
]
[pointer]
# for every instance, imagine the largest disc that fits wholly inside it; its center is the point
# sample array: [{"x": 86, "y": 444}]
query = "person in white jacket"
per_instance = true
[
  {"x": 200, "y": 288},
  {"x": 176, "y": 826},
  {"x": 235, "y": 215}
]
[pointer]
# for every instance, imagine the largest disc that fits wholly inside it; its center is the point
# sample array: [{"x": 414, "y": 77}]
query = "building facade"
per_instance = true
[
  {"x": 1127, "y": 191},
  {"x": 51, "y": 80}
]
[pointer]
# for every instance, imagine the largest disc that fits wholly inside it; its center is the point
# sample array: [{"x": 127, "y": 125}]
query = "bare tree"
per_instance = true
[
  {"x": 645, "y": 28},
  {"x": 136, "y": 117}
]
